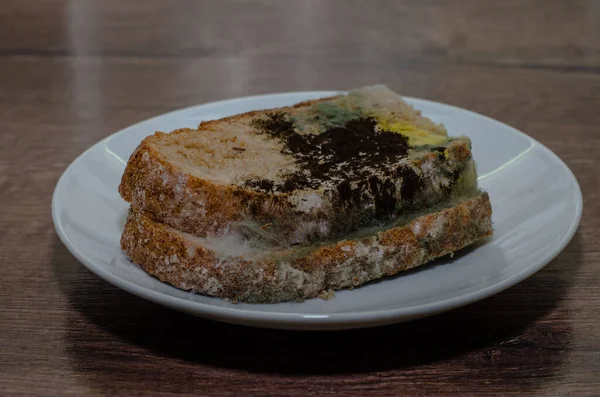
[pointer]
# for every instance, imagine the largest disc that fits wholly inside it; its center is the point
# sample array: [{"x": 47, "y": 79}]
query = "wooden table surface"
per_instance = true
[{"x": 73, "y": 72}]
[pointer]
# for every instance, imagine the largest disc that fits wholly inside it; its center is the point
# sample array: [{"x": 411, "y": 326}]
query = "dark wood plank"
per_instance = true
[
  {"x": 73, "y": 72},
  {"x": 536, "y": 33}
]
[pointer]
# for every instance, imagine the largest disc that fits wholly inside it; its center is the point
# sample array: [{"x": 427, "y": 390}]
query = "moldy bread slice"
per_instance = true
[
  {"x": 230, "y": 267},
  {"x": 295, "y": 175}
]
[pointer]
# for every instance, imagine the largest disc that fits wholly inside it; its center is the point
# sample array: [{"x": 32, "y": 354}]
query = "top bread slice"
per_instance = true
[{"x": 299, "y": 174}]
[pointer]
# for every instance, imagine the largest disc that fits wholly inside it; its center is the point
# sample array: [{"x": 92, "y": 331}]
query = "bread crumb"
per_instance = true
[{"x": 327, "y": 294}]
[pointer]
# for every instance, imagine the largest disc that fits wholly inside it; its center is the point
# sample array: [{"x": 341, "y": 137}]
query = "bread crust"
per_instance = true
[{"x": 291, "y": 274}]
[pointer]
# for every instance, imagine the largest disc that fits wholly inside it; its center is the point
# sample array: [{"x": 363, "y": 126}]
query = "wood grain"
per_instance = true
[{"x": 73, "y": 72}]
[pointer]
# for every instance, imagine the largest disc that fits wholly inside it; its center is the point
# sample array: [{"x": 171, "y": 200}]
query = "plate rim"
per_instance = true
[{"x": 363, "y": 318}]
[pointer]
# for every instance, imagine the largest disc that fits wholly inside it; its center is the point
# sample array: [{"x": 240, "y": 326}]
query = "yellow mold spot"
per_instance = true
[{"x": 415, "y": 135}]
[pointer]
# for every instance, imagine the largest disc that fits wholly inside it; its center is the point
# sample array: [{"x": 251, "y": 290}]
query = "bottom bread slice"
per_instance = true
[{"x": 230, "y": 268}]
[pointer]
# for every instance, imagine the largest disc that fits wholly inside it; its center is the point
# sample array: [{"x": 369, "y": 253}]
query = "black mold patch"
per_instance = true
[
  {"x": 349, "y": 153},
  {"x": 412, "y": 182},
  {"x": 384, "y": 192}
]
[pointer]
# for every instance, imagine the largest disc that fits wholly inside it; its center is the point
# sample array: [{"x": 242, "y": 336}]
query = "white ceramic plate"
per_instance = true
[{"x": 536, "y": 201}]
